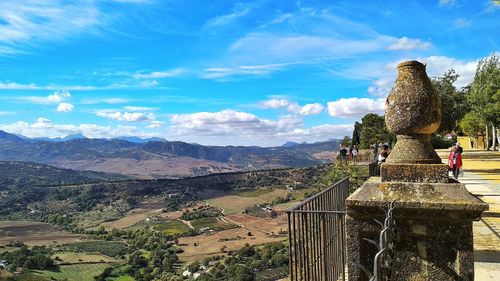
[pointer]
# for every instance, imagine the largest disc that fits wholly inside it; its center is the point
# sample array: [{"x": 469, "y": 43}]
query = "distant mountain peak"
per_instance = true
[
  {"x": 73, "y": 137},
  {"x": 290, "y": 144},
  {"x": 138, "y": 139}
]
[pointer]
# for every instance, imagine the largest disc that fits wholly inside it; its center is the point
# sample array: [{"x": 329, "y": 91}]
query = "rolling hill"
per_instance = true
[{"x": 159, "y": 158}]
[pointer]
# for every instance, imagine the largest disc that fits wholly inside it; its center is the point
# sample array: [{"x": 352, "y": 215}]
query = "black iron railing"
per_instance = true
[{"x": 316, "y": 232}]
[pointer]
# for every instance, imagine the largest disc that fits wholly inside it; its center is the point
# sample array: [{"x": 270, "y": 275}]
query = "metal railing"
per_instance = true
[
  {"x": 316, "y": 233},
  {"x": 383, "y": 261}
]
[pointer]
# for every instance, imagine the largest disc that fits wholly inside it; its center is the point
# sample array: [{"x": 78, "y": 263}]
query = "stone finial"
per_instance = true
[{"x": 413, "y": 113}]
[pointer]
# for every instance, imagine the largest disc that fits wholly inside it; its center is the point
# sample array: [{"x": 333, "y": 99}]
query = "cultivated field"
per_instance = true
[
  {"x": 134, "y": 216},
  {"x": 234, "y": 203},
  {"x": 74, "y": 258},
  {"x": 33, "y": 233},
  {"x": 172, "y": 227},
  {"x": 233, "y": 239},
  {"x": 75, "y": 272}
]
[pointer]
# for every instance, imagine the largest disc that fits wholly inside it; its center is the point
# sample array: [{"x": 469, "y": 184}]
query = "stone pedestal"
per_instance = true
[
  {"x": 433, "y": 214},
  {"x": 433, "y": 226}
]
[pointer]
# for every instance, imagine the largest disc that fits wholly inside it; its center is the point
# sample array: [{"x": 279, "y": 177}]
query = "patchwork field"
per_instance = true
[
  {"x": 172, "y": 227},
  {"x": 75, "y": 272},
  {"x": 253, "y": 192},
  {"x": 134, "y": 216},
  {"x": 34, "y": 233},
  {"x": 74, "y": 258},
  {"x": 214, "y": 243},
  {"x": 234, "y": 203}
]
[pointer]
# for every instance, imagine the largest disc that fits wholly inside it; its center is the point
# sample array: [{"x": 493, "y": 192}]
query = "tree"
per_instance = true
[
  {"x": 374, "y": 131},
  {"x": 484, "y": 96},
  {"x": 454, "y": 102},
  {"x": 472, "y": 124},
  {"x": 356, "y": 134},
  {"x": 346, "y": 141}
]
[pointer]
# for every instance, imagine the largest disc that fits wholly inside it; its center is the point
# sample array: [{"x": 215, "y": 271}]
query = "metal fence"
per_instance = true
[{"x": 316, "y": 232}]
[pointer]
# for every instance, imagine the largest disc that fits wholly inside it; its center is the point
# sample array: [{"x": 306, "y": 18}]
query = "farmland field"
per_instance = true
[
  {"x": 132, "y": 217},
  {"x": 211, "y": 244},
  {"x": 233, "y": 204},
  {"x": 254, "y": 192},
  {"x": 75, "y": 272},
  {"x": 33, "y": 233},
  {"x": 72, "y": 257},
  {"x": 172, "y": 227},
  {"x": 211, "y": 222}
]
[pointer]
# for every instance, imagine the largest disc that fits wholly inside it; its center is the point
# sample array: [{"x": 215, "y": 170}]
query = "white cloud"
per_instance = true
[
  {"x": 154, "y": 124},
  {"x": 228, "y": 18},
  {"x": 435, "y": 66},
  {"x": 293, "y": 107},
  {"x": 44, "y": 127},
  {"x": 6, "y": 113},
  {"x": 160, "y": 74},
  {"x": 140, "y": 108},
  {"x": 300, "y": 47},
  {"x": 320, "y": 132},
  {"x": 405, "y": 44},
  {"x": 17, "y": 86},
  {"x": 55, "y": 97},
  {"x": 106, "y": 100},
  {"x": 380, "y": 87},
  {"x": 229, "y": 123},
  {"x": 26, "y": 22},
  {"x": 355, "y": 107},
  {"x": 114, "y": 86},
  {"x": 447, "y": 2},
  {"x": 323, "y": 37},
  {"x": 244, "y": 70},
  {"x": 127, "y": 116},
  {"x": 311, "y": 109},
  {"x": 65, "y": 107},
  {"x": 249, "y": 129},
  {"x": 439, "y": 65}
]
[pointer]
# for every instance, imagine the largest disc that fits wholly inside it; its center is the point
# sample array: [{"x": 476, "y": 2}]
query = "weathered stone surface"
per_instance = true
[
  {"x": 433, "y": 225},
  {"x": 414, "y": 172},
  {"x": 413, "y": 107},
  {"x": 418, "y": 198},
  {"x": 413, "y": 149},
  {"x": 413, "y": 112},
  {"x": 426, "y": 249},
  {"x": 433, "y": 214}
]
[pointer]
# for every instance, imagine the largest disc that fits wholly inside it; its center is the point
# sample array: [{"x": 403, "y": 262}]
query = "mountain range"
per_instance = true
[{"x": 159, "y": 158}]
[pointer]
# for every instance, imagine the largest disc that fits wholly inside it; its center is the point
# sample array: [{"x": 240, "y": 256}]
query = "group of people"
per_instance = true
[
  {"x": 382, "y": 156},
  {"x": 348, "y": 153},
  {"x": 455, "y": 159},
  {"x": 351, "y": 152}
]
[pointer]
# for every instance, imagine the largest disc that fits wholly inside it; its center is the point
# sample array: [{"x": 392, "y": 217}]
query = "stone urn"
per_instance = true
[{"x": 413, "y": 113}]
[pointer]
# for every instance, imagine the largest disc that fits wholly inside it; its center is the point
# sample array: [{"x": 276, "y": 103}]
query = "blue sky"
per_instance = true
[{"x": 223, "y": 72}]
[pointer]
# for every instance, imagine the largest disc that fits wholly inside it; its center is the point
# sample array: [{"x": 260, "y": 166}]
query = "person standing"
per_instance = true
[
  {"x": 383, "y": 154},
  {"x": 374, "y": 152},
  {"x": 355, "y": 154},
  {"x": 455, "y": 161}
]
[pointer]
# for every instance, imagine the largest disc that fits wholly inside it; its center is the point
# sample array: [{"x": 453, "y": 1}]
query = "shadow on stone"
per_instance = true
[{"x": 487, "y": 256}]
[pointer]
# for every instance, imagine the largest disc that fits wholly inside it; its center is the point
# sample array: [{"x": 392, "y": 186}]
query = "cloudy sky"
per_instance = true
[{"x": 223, "y": 72}]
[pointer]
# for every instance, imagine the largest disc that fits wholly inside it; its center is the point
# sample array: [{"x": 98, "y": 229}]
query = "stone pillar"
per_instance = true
[{"x": 433, "y": 214}]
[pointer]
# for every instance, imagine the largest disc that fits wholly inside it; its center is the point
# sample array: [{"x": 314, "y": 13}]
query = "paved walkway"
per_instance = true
[{"x": 482, "y": 178}]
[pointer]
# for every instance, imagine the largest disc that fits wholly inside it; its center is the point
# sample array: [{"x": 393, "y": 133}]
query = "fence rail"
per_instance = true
[{"x": 316, "y": 233}]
